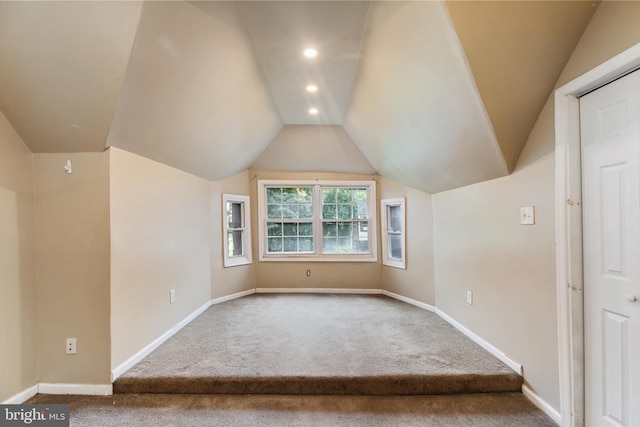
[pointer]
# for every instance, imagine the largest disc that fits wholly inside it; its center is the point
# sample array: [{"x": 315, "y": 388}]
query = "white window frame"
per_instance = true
[
  {"x": 316, "y": 255},
  {"x": 385, "y": 204},
  {"x": 245, "y": 258}
]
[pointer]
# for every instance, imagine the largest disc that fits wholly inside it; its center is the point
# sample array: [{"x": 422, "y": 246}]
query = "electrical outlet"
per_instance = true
[
  {"x": 71, "y": 346},
  {"x": 172, "y": 296},
  {"x": 469, "y": 297}
]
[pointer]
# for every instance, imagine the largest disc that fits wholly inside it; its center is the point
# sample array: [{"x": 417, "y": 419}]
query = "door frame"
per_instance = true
[{"x": 568, "y": 219}]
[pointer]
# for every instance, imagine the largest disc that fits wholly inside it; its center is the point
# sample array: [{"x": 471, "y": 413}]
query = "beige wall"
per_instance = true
[
  {"x": 354, "y": 275},
  {"x": 72, "y": 269},
  {"x": 230, "y": 280},
  {"x": 161, "y": 232},
  {"x": 18, "y": 353},
  {"x": 417, "y": 281},
  {"x": 301, "y": 148},
  {"x": 480, "y": 246}
]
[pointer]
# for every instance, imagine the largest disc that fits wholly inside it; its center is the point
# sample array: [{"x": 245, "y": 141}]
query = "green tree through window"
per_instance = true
[{"x": 318, "y": 220}]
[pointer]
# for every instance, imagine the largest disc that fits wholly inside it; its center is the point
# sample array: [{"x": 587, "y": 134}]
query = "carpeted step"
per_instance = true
[
  {"x": 469, "y": 410},
  {"x": 372, "y": 385},
  {"x": 319, "y": 345}
]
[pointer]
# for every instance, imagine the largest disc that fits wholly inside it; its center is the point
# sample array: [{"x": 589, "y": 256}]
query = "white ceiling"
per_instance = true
[
  {"x": 415, "y": 111},
  {"x": 280, "y": 31},
  {"x": 434, "y": 95},
  {"x": 61, "y": 69}
]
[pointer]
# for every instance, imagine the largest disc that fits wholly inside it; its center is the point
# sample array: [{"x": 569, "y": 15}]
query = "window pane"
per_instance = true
[
  {"x": 360, "y": 194},
  {"x": 329, "y": 245},
  {"x": 305, "y": 195},
  {"x": 274, "y": 229},
  {"x": 395, "y": 246},
  {"x": 363, "y": 230},
  {"x": 274, "y": 244},
  {"x": 395, "y": 218},
  {"x": 274, "y": 195},
  {"x": 290, "y": 211},
  {"x": 289, "y": 195},
  {"x": 290, "y": 244},
  {"x": 290, "y": 229},
  {"x": 234, "y": 214},
  {"x": 306, "y": 244},
  {"x": 361, "y": 246},
  {"x": 305, "y": 211},
  {"x": 329, "y": 195},
  {"x": 329, "y": 211},
  {"x": 274, "y": 211},
  {"x": 329, "y": 229},
  {"x": 345, "y": 229},
  {"x": 345, "y": 211},
  {"x": 344, "y": 195},
  {"x": 235, "y": 243},
  {"x": 305, "y": 229},
  {"x": 361, "y": 236},
  {"x": 344, "y": 245},
  {"x": 362, "y": 209}
]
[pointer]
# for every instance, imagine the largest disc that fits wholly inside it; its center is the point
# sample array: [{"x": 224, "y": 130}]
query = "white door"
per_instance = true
[{"x": 610, "y": 134}]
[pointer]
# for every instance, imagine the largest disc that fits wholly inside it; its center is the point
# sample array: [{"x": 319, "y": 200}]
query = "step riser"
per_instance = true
[{"x": 377, "y": 386}]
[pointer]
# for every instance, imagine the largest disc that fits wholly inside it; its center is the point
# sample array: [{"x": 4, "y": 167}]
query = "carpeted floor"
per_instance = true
[
  {"x": 319, "y": 344},
  {"x": 137, "y": 410},
  {"x": 313, "y": 360}
]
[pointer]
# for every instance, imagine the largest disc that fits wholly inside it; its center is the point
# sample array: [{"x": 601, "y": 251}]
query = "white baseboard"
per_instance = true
[
  {"x": 130, "y": 362},
  {"x": 542, "y": 405},
  {"x": 482, "y": 343},
  {"x": 22, "y": 397},
  {"x": 318, "y": 291},
  {"x": 526, "y": 391},
  {"x": 411, "y": 301},
  {"x": 88, "y": 389},
  {"x": 232, "y": 296}
]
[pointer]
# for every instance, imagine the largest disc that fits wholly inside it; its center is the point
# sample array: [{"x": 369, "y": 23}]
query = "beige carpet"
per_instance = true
[
  {"x": 141, "y": 410},
  {"x": 319, "y": 344},
  {"x": 313, "y": 360}
]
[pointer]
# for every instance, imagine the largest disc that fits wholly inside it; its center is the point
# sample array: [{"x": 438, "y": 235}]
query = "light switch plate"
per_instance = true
[{"x": 527, "y": 215}]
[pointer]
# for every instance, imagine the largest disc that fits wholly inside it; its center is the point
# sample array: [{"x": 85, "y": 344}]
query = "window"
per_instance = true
[
  {"x": 393, "y": 232},
  {"x": 236, "y": 230},
  {"x": 318, "y": 220}
]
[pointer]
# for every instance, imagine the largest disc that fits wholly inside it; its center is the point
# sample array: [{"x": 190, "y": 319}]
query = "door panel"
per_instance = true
[{"x": 610, "y": 120}]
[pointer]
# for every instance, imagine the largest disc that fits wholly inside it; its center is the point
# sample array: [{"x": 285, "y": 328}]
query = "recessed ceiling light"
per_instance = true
[
  {"x": 313, "y": 111},
  {"x": 312, "y": 88},
  {"x": 310, "y": 53}
]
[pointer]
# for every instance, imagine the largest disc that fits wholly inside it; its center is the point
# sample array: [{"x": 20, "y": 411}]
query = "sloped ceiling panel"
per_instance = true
[
  {"x": 310, "y": 148},
  {"x": 415, "y": 112},
  {"x": 62, "y": 65},
  {"x": 516, "y": 51},
  {"x": 281, "y": 30},
  {"x": 194, "y": 97}
]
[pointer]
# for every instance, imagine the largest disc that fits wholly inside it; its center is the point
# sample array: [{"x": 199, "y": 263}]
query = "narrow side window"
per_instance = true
[
  {"x": 393, "y": 233},
  {"x": 236, "y": 230}
]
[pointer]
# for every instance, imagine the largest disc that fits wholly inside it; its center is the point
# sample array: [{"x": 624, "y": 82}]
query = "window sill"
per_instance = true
[
  {"x": 319, "y": 258},
  {"x": 235, "y": 262},
  {"x": 395, "y": 264}
]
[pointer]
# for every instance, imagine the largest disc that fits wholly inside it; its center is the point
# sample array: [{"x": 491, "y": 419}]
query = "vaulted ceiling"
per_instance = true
[{"x": 431, "y": 94}]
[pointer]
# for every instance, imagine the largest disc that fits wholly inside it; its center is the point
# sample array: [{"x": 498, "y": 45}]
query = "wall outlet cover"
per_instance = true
[{"x": 527, "y": 215}]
